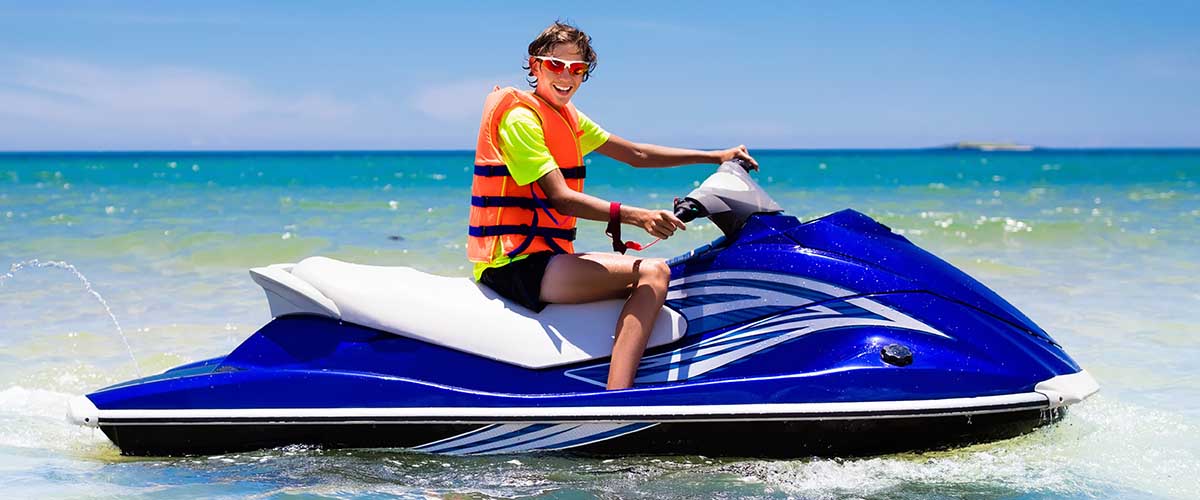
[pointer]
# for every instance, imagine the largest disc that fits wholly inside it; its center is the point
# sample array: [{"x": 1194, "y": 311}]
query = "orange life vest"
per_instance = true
[{"x": 519, "y": 218}]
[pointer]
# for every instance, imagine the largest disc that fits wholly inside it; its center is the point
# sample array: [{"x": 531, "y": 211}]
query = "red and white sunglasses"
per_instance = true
[{"x": 556, "y": 65}]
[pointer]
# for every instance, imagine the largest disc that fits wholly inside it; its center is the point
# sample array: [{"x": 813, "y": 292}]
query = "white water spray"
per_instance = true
[{"x": 87, "y": 286}]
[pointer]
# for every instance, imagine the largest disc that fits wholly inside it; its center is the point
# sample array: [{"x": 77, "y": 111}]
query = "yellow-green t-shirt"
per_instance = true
[{"x": 523, "y": 148}]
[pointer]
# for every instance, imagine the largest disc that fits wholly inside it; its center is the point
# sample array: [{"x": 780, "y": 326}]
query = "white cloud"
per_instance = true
[
  {"x": 64, "y": 104},
  {"x": 151, "y": 107},
  {"x": 456, "y": 102}
]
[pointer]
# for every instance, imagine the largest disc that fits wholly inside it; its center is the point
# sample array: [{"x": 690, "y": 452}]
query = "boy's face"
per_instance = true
[{"x": 557, "y": 88}]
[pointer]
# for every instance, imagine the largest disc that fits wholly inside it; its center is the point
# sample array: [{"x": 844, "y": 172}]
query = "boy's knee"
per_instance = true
[{"x": 654, "y": 272}]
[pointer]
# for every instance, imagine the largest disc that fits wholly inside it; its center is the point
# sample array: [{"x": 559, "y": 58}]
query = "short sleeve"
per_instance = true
[
  {"x": 523, "y": 146},
  {"x": 593, "y": 136}
]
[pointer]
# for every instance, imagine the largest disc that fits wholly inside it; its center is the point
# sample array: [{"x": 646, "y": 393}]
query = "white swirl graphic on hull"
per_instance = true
[{"x": 794, "y": 306}]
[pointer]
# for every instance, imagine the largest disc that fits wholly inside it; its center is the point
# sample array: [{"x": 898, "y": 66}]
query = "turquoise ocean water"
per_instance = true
[{"x": 1099, "y": 247}]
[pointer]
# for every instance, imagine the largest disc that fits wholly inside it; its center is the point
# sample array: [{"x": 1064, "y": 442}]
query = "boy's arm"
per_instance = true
[
  {"x": 659, "y": 223},
  {"x": 652, "y": 155}
]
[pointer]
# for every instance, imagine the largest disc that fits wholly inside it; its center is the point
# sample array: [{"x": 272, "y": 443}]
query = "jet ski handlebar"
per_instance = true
[
  {"x": 728, "y": 197},
  {"x": 742, "y": 163},
  {"x": 688, "y": 209}
]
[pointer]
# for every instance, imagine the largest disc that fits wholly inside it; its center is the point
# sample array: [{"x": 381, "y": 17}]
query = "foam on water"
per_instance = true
[{"x": 1085, "y": 455}]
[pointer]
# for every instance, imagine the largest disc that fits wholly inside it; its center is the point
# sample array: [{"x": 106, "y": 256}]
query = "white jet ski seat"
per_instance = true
[{"x": 451, "y": 312}]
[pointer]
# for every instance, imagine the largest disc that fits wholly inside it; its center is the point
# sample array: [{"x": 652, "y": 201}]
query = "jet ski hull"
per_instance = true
[
  {"x": 751, "y": 435},
  {"x": 632, "y": 421}
]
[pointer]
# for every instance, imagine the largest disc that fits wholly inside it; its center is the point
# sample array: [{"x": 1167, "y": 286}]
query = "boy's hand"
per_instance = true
[
  {"x": 659, "y": 223},
  {"x": 739, "y": 152}
]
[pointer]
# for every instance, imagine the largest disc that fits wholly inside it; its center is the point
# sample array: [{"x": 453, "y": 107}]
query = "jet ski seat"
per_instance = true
[{"x": 451, "y": 312}]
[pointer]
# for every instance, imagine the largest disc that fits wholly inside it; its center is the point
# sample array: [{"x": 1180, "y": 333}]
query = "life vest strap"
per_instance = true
[
  {"x": 573, "y": 172},
  {"x": 505, "y": 202},
  {"x": 579, "y": 172},
  {"x": 545, "y": 232},
  {"x": 491, "y": 170}
]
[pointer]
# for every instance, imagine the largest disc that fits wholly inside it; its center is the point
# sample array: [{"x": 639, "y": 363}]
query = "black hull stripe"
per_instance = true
[
  {"x": 712, "y": 417},
  {"x": 782, "y": 439}
]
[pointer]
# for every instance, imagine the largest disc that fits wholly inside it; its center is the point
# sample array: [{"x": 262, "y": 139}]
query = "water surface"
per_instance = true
[{"x": 1098, "y": 247}]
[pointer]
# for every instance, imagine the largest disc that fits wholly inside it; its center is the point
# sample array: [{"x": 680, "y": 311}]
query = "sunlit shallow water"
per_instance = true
[{"x": 1097, "y": 247}]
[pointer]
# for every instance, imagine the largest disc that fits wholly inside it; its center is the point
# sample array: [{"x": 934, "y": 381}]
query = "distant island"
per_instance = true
[{"x": 989, "y": 146}]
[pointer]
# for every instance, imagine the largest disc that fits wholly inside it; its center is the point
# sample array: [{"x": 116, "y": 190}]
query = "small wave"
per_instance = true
[
  {"x": 345, "y": 206},
  {"x": 36, "y": 418},
  {"x": 1102, "y": 446},
  {"x": 182, "y": 249},
  {"x": 255, "y": 250}
]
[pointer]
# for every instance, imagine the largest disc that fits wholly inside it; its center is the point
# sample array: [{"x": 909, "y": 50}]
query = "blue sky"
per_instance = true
[{"x": 393, "y": 75}]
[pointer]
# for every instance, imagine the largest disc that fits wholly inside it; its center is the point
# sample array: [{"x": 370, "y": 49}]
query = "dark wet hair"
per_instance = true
[{"x": 557, "y": 33}]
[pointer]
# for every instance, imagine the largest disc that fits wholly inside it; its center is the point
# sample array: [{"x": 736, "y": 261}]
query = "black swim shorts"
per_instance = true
[{"x": 520, "y": 281}]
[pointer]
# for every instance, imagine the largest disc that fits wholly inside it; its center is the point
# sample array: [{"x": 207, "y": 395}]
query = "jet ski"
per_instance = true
[{"x": 782, "y": 338}]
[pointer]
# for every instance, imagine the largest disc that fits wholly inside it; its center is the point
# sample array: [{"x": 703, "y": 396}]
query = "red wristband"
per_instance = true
[
  {"x": 614, "y": 226},
  {"x": 614, "y": 231}
]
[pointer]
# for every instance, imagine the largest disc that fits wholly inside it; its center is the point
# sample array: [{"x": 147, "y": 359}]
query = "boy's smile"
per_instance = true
[{"x": 557, "y": 88}]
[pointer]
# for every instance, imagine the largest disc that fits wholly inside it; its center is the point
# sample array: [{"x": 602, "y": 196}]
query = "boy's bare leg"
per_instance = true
[{"x": 579, "y": 278}]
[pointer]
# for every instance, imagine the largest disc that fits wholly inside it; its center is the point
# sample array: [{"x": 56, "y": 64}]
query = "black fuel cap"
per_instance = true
[{"x": 896, "y": 354}]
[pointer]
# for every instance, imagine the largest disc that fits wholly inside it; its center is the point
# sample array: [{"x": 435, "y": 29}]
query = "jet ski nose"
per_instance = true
[
  {"x": 81, "y": 411},
  {"x": 1068, "y": 389}
]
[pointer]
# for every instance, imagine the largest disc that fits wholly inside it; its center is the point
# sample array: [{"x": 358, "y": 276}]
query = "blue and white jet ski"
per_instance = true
[{"x": 781, "y": 338}]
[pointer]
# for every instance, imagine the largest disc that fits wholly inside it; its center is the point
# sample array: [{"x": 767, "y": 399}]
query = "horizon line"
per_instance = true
[{"x": 944, "y": 148}]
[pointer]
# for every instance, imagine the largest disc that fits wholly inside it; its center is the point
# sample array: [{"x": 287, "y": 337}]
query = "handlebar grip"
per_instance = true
[
  {"x": 742, "y": 163},
  {"x": 685, "y": 213},
  {"x": 688, "y": 210}
]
